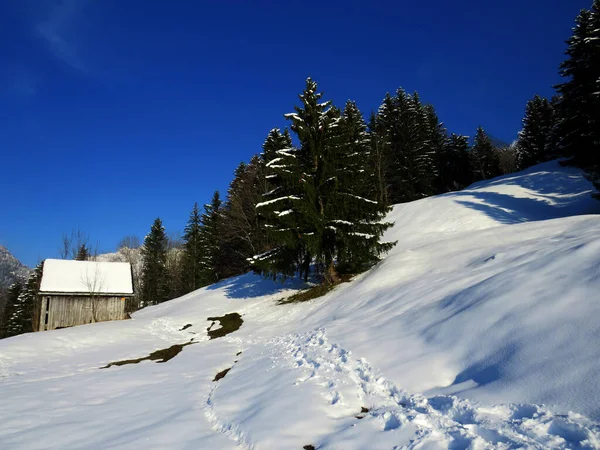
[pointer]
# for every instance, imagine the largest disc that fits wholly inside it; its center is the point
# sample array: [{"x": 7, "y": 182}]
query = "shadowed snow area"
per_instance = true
[{"x": 479, "y": 330}]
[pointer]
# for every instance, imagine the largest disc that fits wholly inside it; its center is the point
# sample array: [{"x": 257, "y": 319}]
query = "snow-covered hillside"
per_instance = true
[{"x": 480, "y": 330}]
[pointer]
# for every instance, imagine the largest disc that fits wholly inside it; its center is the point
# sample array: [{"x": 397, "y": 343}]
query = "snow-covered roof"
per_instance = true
[{"x": 63, "y": 276}]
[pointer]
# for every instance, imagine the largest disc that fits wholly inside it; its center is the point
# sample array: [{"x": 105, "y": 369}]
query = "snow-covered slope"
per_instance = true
[{"x": 479, "y": 330}]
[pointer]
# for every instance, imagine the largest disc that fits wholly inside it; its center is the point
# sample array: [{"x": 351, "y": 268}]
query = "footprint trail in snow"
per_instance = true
[{"x": 435, "y": 422}]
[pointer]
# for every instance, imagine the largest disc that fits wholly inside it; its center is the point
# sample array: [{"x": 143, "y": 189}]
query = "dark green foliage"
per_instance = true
[
  {"x": 408, "y": 139},
  {"x": 454, "y": 166},
  {"x": 22, "y": 308},
  {"x": 192, "y": 250},
  {"x": 83, "y": 253},
  {"x": 578, "y": 105},
  {"x": 356, "y": 215},
  {"x": 319, "y": 206},
  {"x": 211, "y": 261},
  {"x": 483, "y": 157},
  {"x": 154, "y": 272},
  {"x": 12, "y": 304},
  {"x": 534, "y": 145},
  {"x": 241, "y": 235}
]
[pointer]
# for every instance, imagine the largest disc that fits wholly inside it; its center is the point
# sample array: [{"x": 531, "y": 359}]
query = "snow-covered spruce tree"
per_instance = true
[
  {"x": 578, "y": 106},
  {"x": 411, "y": 136},
  {"x": 192, "y": 251},
  {"x": 534, "y": 141},
  {"x": 241, "y": 234},
  {"x": 314, "y": 211},
  {"x": 454, "y": 164},
  {"x": 484, "y": 162},
  {"x": 154, "y": 273},
  {"x": 356, "y": 212},
  {"x": 12, "y": 304},
  {"x": 24, "y": 306},
  {"x": 211, "y": 262},
  {"x": 378, "y": 158},
  {"x": 278, "y": 211}
]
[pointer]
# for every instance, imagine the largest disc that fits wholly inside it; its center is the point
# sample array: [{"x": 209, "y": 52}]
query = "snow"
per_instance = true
[
  {"x": 286, "y": 152},
  {"x": 274, "y": 160},
  {"x": 61, "y": 275},
  {"x": 360, "y": 198},
  {"x": 479, "y": 330},
  {"x": 268, "y": 202},
  {"x": 363, "y": 235}
]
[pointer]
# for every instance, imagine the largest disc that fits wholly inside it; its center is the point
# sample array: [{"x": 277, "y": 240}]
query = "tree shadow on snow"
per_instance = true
[
  {"x": 507, "y": 209},
  {"x": 251, "y": 285},
  {"x": 560, "y": 192}
]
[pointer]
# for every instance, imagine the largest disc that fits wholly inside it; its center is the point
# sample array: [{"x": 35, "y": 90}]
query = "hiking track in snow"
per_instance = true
[{"x": 446, "y": 420}]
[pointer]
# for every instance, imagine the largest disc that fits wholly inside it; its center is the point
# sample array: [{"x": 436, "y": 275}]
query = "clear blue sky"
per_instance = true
[{"x": 115, "y": 112}]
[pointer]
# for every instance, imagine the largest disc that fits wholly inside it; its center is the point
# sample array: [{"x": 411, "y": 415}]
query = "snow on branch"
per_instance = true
[
  {"x": 268, "y": 202},
  {"x": 360, "y": 198},
  {"x": 273, "y": 161}
]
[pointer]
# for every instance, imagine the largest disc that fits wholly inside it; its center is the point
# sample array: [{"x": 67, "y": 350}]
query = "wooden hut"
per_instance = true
[{"x": 80, "y": 292}]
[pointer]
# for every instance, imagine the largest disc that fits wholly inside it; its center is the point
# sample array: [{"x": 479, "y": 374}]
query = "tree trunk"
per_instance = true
[
  {"x": 331, "y": 275},
  {"x": 305, "y": 269}
]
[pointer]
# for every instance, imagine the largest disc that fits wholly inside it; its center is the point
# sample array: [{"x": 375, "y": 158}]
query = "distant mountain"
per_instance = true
[{"x": 10, "y": 268}]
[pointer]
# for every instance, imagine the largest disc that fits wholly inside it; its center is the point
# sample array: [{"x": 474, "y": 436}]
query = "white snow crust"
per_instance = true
[
  {"x": 479, "y": 330},
  {"x": 60, "y": 275}
]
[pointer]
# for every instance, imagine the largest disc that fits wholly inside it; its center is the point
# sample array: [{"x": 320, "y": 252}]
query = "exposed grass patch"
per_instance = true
[
  {"x": 221, "y": 374},
  {"x": 363, "y": 413},
  {"x": 185, "y": 327},
  {"x": 229, "y": 323},
  {"x": 314, "y": 292},
  {"x": 160, "y": 356}
]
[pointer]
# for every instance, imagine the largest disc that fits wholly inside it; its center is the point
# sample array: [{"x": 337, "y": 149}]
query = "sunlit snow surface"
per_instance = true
[{"x": 480, "y": 330}]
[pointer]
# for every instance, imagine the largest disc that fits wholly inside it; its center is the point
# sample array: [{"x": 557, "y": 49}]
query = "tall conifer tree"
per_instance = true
[
  {"x": 578, "y": 128},
  {"x": 154, "y": 273},
  {"x": 485, "y": 164},
  {"x": 192, "y": 248},
  {"x": 534, "y": 141},
  {"x": 211, "y": 262},
  {"x": 312, "y": 213}
]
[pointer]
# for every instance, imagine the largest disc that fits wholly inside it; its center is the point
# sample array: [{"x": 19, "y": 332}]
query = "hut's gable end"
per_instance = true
[{"x": 61, "y": 311}]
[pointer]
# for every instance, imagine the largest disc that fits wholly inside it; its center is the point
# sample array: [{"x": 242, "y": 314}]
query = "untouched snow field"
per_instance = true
[{"x": 481, "y": 329}]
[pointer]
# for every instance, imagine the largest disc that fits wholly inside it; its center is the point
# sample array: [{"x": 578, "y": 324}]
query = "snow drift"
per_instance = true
[{"x": 479, "y": 330}]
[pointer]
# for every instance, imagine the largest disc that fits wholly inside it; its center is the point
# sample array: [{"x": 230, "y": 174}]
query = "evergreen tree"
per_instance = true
[
  {"x": 356, "y": 214},
  {"x": 275, "y": 212},
  {"x": 154, "y": 274},
  {"x": 241, "y": 234},
  {"x": 315, "y": 211},
  {"x": 485, "y": 163},
  {"x": 12, "y": 304},
  {"x": 578, "y": 128},
  {"x": 379, "y": 158},
  {"x": 24, "y": 306},
  {"x": 409, "y": 139},
  {"x": 534, "y": 142},
  {"x": 211, "y": 261},
  {"x": 192, "y": 248},
  {"x": 83, "y": 253},
  {"x": 454, "y": 164}
]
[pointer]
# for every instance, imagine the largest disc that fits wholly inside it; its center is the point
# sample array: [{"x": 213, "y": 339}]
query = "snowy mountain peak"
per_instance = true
[{"x": 10, "y": 268}]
